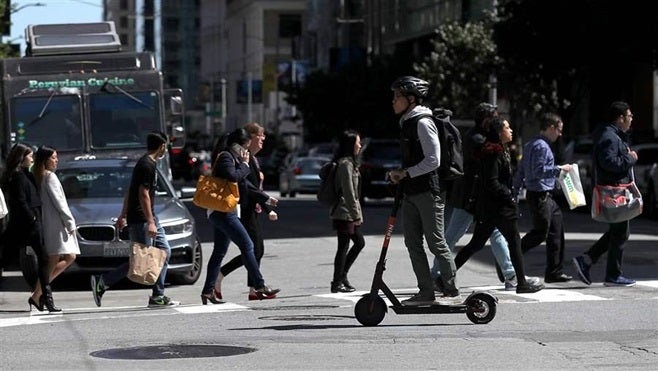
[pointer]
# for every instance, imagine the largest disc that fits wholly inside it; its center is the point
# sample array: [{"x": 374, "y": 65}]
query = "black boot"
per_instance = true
[{"x": 47, "y": 300}]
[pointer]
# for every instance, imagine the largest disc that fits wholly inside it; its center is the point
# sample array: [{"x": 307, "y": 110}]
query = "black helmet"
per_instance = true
[
  {"x": 484, "y": 111},
  {"x": 409, "y": 85}
]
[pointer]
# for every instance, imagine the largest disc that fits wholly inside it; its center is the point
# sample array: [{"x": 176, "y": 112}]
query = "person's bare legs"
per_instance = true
[{"x": 56, "y": 265}]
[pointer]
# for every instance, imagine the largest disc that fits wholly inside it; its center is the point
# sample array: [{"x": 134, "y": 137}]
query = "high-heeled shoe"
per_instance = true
[
  {"x": 264, "y": 291},
  {"x": 47, "y": 300},
  {"x": 31, "y": 303},
  {"x": 218, "y": 294},
  {"x": 205, "y": 298}
]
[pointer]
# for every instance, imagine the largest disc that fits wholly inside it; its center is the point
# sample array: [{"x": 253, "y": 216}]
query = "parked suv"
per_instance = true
[
  {"x": 650, "y": 194},
  {"x": 377, "y": 157},
  {"x": 646, "y": 175},
  {"x": 647, "y": 155}
]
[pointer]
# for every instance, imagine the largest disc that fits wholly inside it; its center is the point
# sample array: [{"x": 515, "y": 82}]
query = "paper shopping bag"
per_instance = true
[
  {"x": 146, "y": 262},
  {"x": 572, "y": 188}
]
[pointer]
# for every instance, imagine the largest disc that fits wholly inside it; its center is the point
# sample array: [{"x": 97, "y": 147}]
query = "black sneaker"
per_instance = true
[
  {"x": 419, "y": 299},
  {"x": 620, "y": 281},
  {"x": 529, "y": 288},
  {"x": 97, "y": 288},
  {"x": 162, "y": 302},
  {"x": 582, "y": 268}
]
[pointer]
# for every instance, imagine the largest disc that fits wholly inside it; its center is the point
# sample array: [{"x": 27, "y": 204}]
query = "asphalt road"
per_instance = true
[{"x": 566, "y": 326}]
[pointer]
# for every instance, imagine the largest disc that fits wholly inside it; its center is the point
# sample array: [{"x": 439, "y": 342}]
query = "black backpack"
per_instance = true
[
  {"x": 452, "y": 158},
  {"x": 327, "y": 194}
]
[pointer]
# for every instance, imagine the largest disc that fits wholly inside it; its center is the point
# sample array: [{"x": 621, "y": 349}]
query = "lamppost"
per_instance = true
[
  {"x": 19, "y": 8},
  {"x": 13, "y": 8}
]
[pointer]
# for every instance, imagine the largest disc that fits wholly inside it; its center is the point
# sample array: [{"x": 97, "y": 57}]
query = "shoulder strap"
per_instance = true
[{"x": 214, "y": 165}]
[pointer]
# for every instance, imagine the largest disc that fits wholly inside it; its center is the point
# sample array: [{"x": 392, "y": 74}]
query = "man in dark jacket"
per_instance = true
[{"x": 613, "y": 162}]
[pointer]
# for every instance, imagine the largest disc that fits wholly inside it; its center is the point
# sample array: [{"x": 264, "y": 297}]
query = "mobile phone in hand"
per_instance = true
[{"x": 237, "y": 149}]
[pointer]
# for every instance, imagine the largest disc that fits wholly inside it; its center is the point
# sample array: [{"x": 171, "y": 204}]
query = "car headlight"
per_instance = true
[{"x": 178, "y": 227}]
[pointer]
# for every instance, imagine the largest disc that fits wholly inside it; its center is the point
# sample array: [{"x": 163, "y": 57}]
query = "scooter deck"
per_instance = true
[{"x": 432, "y": 308}]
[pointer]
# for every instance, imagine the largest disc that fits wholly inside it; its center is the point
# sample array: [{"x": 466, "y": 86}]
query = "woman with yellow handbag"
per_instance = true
[{"x": 232, "y": 164}]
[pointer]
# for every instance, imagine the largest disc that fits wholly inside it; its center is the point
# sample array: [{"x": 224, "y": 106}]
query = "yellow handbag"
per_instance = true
[{"x": 216, "y": 193}]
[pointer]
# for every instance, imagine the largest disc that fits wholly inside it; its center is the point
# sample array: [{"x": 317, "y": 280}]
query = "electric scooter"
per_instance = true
[{"x": 479, "y": 306}]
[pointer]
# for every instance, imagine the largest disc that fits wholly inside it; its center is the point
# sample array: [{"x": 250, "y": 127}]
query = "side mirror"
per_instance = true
[
  {"x": 186, "y": 192},
  {"x": 176, "y": 105}
]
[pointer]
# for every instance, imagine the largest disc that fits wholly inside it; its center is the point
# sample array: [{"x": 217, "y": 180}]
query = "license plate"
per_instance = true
[{"x": 117, "y": 249}]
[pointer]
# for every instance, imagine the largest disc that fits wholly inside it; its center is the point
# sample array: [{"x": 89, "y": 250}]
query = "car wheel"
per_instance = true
[
  {"x": 650, "y": 203},
  {"x": 283, "y": 189},
  {"x": 193, "y": 274}
]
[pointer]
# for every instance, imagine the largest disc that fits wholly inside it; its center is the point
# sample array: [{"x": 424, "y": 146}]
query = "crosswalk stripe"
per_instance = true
[
  {"x": 653, "y": 284},
  {"x": 196, "y": 309}
]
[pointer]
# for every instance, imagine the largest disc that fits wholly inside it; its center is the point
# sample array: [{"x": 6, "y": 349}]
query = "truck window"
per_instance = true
[
  {"x": 48, "y": 120},
  {"x": 123, "y": 121}
]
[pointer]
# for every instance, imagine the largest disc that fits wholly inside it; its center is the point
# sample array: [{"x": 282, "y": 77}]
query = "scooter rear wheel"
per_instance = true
[
  {"x": 481, "y": 308},
  {"x": 370, "y": 310}
]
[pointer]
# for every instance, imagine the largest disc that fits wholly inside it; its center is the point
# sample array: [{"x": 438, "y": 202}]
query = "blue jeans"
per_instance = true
[
  {"x": 460, "y": 222},
  {"x": 227, "y": 227},
  {"x": 138, "y": 233}
]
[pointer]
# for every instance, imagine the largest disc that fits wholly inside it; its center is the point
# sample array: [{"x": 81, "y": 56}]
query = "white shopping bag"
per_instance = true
[
  {"x": 4, "y": 210},
  {"x": 572, "y": 188}
]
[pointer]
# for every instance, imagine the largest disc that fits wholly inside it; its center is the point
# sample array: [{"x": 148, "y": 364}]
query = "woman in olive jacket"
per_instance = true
[{"x": 346, "y": 215}]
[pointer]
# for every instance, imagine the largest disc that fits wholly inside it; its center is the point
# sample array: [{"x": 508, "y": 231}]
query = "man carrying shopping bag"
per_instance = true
[
  {"x": 538, "y": 172},
  {"x": 139, "y": 217}
]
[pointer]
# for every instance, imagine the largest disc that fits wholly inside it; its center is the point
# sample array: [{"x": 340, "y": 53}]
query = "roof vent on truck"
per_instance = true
[{"x": 72, "y": 38}]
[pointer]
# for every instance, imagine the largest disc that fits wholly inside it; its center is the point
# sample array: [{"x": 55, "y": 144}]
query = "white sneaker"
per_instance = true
[{"x": 450, "y": 299}]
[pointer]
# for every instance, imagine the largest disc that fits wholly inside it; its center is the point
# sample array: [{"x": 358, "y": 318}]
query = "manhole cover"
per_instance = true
[
  {"x": 305, "y": 317},
  {"x": 172, "y": 351}
]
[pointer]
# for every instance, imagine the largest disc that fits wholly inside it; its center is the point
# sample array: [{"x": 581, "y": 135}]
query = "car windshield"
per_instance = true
[
  {"x": 116, "y": 120},
  {"x": 123, "y": 121},
  {"x": 51, "y": 120},
  {"x": 310, "y": 166},
  {"x": 382, "y": 152},
  {"x": 101, "y": 182}
]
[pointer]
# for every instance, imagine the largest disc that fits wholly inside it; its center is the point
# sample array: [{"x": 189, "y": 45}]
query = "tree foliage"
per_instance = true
[
  {"x": 354, "y": 97},
  {"x": 559, "y": 54},
  {"x": 5, "y": 48},
  {"x": 460, "y": 66}
]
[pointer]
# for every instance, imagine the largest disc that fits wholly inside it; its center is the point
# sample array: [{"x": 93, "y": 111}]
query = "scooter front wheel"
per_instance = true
[
  {"x": 370, "y": 310},
  {"x": 481, "y": 308}
]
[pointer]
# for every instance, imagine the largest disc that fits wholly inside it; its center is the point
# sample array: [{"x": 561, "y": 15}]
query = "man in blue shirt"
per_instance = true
[{"x": 538, "y": 172}]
